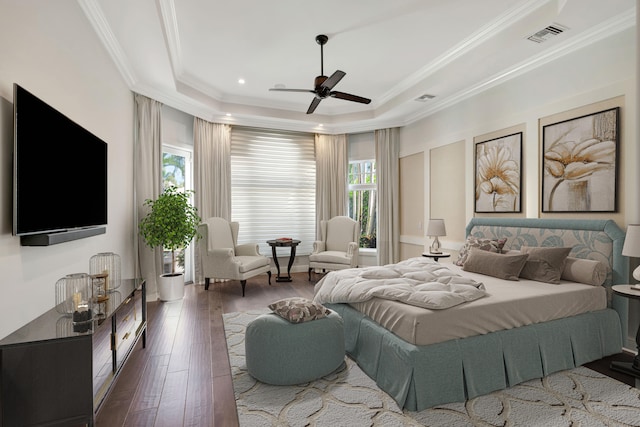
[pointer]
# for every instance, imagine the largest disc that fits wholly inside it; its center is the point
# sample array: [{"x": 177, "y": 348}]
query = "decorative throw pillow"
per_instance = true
[
  {"x": 544, "y": 264},
  {"x": 587, "y": 271},
  {"x": 298, "y": 310},
  {"x": 502, "y": 266},
  {"x": 490, "y": 245}
]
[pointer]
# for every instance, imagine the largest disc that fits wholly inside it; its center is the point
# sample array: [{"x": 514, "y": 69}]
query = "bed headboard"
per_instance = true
[{"x": 600, "y": 240}]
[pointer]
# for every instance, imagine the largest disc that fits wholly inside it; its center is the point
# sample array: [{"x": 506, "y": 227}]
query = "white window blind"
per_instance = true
[{"x": 273, "y": 187}]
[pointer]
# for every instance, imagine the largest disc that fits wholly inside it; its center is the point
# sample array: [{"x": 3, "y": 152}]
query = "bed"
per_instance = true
[{"x": 423, "y": 364}]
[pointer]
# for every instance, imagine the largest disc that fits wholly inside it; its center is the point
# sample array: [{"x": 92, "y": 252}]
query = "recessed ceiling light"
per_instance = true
[
  {"x": 241, "y": 81},
  {"x": 320, "y": 125},
  {"x": 228, "y": 114}
]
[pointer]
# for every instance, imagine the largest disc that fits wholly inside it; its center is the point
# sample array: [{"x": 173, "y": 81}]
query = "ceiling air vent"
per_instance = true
[
  {"x": 546, "y": 33},
  {"x": 425, "y": 97}
]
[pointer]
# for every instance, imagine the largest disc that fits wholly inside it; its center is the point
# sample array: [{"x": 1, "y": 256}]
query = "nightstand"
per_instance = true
[
  {"x": 436, "y": 256},
  {"x": 632, "y": 368}
]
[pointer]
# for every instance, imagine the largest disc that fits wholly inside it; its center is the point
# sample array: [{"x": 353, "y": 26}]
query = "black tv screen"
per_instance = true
[{"x": 60, "y": 170}]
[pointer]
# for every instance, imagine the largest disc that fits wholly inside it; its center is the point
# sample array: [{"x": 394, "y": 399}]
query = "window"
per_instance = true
[
  {"x": 362, "y": 199},
  {"x": 273, "y": 187},
  {"x": 176, "y": 171}
]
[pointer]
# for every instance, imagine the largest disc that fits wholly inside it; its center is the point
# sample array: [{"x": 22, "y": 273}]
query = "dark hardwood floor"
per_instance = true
[{"x": 183, "y": 378}]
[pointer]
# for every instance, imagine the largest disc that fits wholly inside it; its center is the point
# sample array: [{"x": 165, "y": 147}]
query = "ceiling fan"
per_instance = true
[{"x": 324, "y": 84}]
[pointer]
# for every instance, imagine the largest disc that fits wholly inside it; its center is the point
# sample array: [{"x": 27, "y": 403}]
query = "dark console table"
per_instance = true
[
  {"x": 630, "y": 368},
  {"x": 52, "y": 375},
  {"x": 286, "y": 243}
]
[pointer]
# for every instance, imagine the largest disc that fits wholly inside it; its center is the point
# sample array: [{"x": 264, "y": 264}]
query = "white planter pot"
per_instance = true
[{"x": 171, "y": 287}]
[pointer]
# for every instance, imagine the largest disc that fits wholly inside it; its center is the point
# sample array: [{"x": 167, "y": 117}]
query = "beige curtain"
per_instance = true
[
  {"x": 212, "y": 174},
  {"x": 212, "y": 168},
  {"x": 147, "y": 177},
  {"x": 332, "y": 159},
  {"x": 387, "y": 143}
]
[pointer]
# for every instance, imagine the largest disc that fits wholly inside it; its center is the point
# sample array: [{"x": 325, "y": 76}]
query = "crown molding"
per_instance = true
[
  {"x": 94, "y": 14},
  {"x": 169, "y": 21},
  {"x": 612, "y": 26},
  {"x": 462, "y": 48},
  {"x": 212, "y": 108}
]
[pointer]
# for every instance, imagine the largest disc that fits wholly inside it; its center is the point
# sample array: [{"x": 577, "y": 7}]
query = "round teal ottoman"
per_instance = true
[{"x": 282, "y": 353}]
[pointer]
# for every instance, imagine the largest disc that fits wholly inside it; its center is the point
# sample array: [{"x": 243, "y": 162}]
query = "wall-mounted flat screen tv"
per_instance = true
[{"x": 60, "y": 170}]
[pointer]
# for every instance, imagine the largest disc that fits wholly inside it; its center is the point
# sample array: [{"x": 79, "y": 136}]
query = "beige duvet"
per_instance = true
[{"x": 507, "y": 304}]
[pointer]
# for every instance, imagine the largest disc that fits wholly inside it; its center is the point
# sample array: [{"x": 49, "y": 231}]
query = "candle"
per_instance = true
[
  {"x": 76, "y": 301},
  {"x": 106, "y": 280}
]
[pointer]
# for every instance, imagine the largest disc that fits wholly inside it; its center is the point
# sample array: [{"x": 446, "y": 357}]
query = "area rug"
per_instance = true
[{"x": 348, "y": 397}]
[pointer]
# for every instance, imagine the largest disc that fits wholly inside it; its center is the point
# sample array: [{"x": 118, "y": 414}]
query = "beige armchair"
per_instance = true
[
  {"x": 222, "y": 258},
  {"x": 338, "y": 248}
]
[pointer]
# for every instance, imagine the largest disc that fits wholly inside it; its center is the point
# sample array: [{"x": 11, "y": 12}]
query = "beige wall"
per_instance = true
[
  {"x": 50, "y": 49},
  {"x": 447, "y": 178},
  {"x": 607, "y": 73},
  {"x": 412, "y": 193}
]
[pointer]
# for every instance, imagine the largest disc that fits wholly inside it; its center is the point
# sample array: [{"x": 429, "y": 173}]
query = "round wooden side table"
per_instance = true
[
  {"x": 291, "y": 243},
  {"x": 630, "y": 368},
  {"x": 436, "y": 256}
]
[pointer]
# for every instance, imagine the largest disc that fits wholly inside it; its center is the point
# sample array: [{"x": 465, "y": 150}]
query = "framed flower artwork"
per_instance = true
[
  {"x": 498, "y": 174},
  {"x": 579, "y": 163}
]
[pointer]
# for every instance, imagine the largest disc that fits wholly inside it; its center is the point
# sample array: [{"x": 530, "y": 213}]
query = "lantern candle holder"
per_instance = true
[
  {"x": 74, "y": 298},
  {"x": 106, "y": 263}
]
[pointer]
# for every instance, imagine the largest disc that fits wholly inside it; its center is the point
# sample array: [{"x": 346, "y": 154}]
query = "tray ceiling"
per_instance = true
[{"x": 191, "y": 54}]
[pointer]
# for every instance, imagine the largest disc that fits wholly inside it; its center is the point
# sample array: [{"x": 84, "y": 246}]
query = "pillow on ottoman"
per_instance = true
[{"x": 298, "y": 310}]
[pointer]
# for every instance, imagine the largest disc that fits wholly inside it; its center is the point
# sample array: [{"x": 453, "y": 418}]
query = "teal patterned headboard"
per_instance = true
[{"x": 600, "y": 240}]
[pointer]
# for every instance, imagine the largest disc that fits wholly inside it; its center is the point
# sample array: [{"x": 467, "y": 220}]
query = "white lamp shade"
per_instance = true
[
  {"x": 436, "y": 228},
  {"x": 631, "y": 246}
]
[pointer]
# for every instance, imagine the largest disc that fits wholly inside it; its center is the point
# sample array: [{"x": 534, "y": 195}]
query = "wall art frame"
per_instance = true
[
  {"x": 498, "y": 174},
  {"x": 579, "y": 158}
]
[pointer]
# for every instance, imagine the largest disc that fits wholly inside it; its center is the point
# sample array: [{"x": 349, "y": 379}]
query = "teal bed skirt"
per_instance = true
[{"x": 420, "y": 377}]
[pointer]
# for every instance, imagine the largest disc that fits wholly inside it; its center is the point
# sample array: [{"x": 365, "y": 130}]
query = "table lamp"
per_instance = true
[
  {"x": 631, "y": 246},
  {"x": 435, "y": 229}
]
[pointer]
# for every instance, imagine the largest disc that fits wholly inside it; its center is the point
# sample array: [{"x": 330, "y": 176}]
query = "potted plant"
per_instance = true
[{"x": 171, "y": 223}]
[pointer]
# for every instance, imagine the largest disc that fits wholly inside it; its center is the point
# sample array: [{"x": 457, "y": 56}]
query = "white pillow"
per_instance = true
[{"x": 587, "y": 271}]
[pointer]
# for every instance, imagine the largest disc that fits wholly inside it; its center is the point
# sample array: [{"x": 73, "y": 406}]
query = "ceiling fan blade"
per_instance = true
[
  {"x": 333, "y": 80},
  {"x": 314, "y": 105},
  {"x": 349, "y": 97},
  {"x": 277, "y": 89}
]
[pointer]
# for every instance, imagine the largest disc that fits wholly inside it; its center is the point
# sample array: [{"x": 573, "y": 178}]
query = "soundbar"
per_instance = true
[{"x": 48, "y": 239}]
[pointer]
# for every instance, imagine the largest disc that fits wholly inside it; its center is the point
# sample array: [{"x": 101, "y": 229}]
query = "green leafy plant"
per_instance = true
[{"x": 171, "y": 223}]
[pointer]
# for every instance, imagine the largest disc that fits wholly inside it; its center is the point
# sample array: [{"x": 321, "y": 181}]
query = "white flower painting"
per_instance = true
[
  {"x": 579, "y": 164},
  {"x": 499, "y": 174}
]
